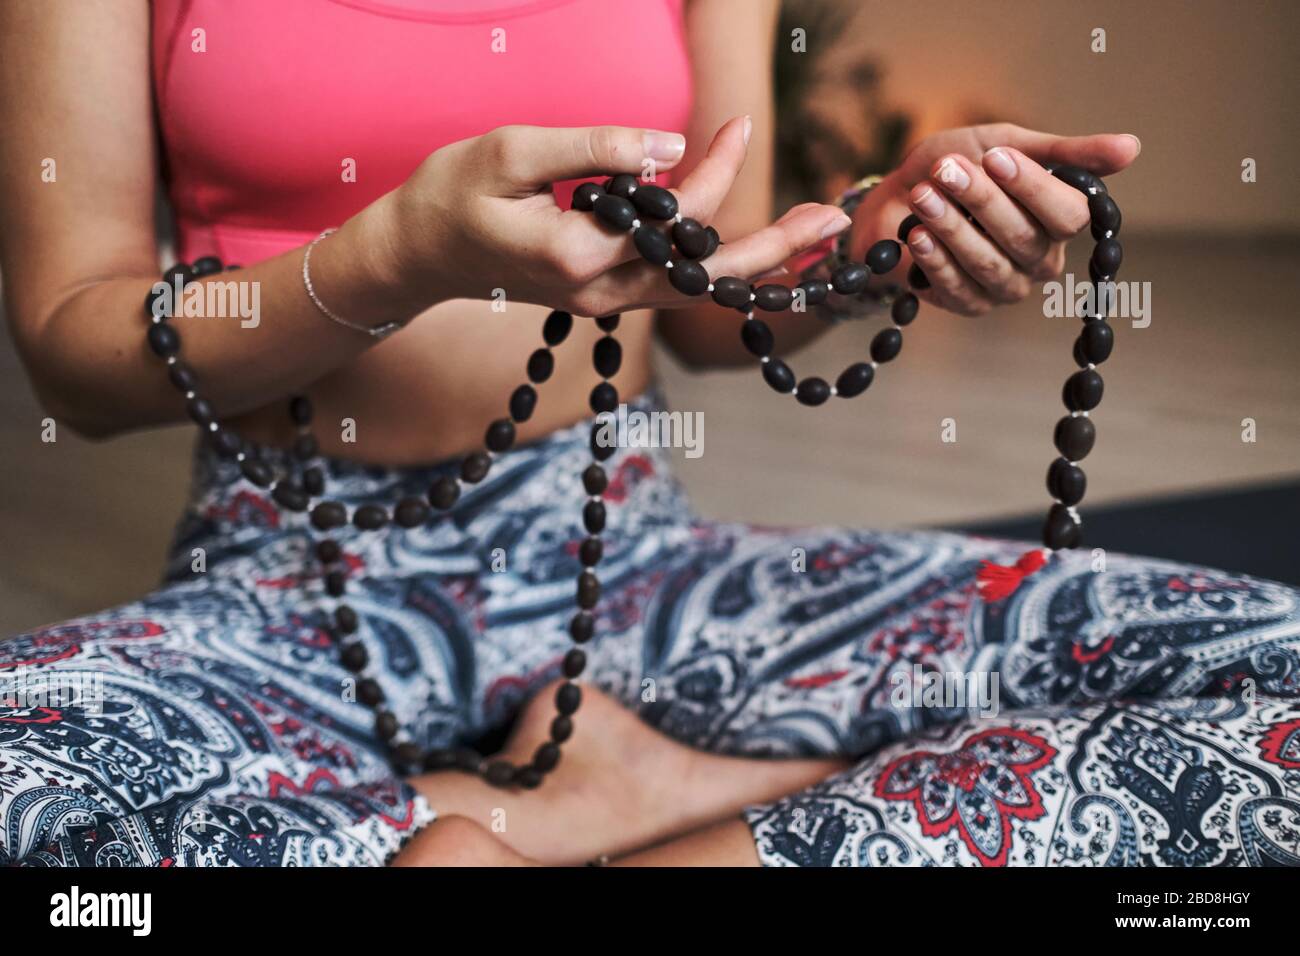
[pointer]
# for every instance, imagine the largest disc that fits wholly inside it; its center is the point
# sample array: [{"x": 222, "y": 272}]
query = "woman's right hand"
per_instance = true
[{"x": 479, "y": 215}]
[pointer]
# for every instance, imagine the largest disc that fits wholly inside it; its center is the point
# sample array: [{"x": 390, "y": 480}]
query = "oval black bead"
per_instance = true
[
  {"x": 607, "y": 356},
  {"x": 884, "y": 256},
  {"x": 815, "y": 291},
  {"x": 731, "y": 292},
  {"x": 163, "y": 339},
  {"x": 290, "y": 496},
  {"x": 917, "y": 278},
  {"x": 588, "y": 590},
  {"x": 654, "y": 202},
  {"x": 313, "y": 481},
  {"x": 773, "y": 298},
  {"x": 200, "y": 410},
  {"x": 300, "y": 410},
  {"x": 907, "y": 225},
  {"x": 779, "y": 376},
  {"x": 440, "y": 758},
  {"x": 603, "y": 442},
  {"x": 1108, "y": 256},
  {"x": 1074, "y": 437},
  {"x": 615, "y": 211},
  {"x": 411, "y": 513},
  {"x": 757, "y": 337},
  {"x": 540, "y": 365},
  {"x": 467, "y": 759},
  {"x": 622, "y": 185},
  {"x": 1085, "y": 388},
  {"x": 582, "y": 626},
  {"x": 608, "y": 323},
  {"x": 369, "y": 692},
  {"x": 590, "y": 551},
  {"x": 853, "y": 381},
  {"x": 328, "y": 551},
  {"x": 305, "y": 446},
  {"x": 653, "y": 244},
  {"x": 575, "y": 662},
  {"x": 585, "y": 195},
  {"x": 1076, "y": 352},
  {"x": 593, "y": 517},
  {"x": 179, "y": 271},
  {"x": 183, "y": 377},
  {"x": 691, "y": 239},
  {"x": 712, "y": 241},
  {"x": 1060, "y": 530},
  {"x": 688, "y": 277},
  {"x": 556, "y": 328},
  {"x": 850, "y": 278},
  {"x": 604, "y": 398},
  {"x": 546, "y": 757},
  {"x": 1097, "y": 339},
  {"x": 1066, "y": 482},
  {"x": 370, "y": 517},
  {"x": 499, "y": 773},
  {"x": 561, "y": 729},
  {"x": 813, "y": 391},
  {"x": 336, "y": 582},
  {"x": 227, "y": 443},
  {"x": 444, "y": 492},
  {"x": 594, "y": 480},
  {"x": 256, "y": 471},
  {"x": 886, "y": 345},
  {"x": 1105, "y": 215},
  {"x": 567, "y": 698},
  {"x": 354, "y": 656},
  {"x": 475, "y": 467},
  {"x": 385, "y": 724},
  {"x": 904, "y": 309},
  {"x": 529, "y": 778},
  {"x": 522, "y": 402},
  {"x": 500, "y": 435}
]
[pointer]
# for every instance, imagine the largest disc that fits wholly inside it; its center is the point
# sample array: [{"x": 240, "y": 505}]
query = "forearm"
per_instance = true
[{"x": 92, "y": 367}]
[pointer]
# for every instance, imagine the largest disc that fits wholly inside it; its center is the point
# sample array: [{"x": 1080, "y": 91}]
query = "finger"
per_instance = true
[
  {"x": 1007, "y": 223},
  {"x": 976, "y": 254},
  {"x": 1061, "y": 209},
  {"x": 1100, "y": 153},
  {"x": 706, "y": 186},
  {"x": 700, "y": 195},
  {"x": 759, "y": 252},
  {"x": 950, "y": 287},
  {"x": 529, "y": 157}
]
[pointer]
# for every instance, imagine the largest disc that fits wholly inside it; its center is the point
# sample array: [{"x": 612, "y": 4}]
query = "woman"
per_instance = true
[{"x": 429, "y": 132}]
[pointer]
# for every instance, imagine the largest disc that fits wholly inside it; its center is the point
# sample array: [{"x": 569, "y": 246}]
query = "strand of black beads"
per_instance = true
[
  {"x": 1075, "y": 434},
  {"x": 621, "y": 202}
]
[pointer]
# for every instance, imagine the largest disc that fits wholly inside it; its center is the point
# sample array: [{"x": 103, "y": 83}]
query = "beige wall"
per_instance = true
[{"x": 1203, "y": 83}]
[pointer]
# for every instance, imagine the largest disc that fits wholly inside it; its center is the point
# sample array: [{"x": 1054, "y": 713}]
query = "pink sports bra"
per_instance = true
[{"x": 282, "y": 117}]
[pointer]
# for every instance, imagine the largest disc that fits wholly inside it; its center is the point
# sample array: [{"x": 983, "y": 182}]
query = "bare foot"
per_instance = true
[
  {"x": 620, "y": 785},
  {"x": 457, "y": 841}
]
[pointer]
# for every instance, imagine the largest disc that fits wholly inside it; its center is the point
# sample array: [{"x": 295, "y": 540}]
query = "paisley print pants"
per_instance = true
[{"x": 1131, "y": 712}]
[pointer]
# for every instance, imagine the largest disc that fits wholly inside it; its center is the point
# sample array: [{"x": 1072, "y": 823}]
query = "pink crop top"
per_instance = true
[{"x": 265, "y": 110}]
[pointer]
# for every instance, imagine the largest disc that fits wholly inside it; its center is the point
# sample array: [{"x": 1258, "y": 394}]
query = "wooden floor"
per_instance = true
[{"x": 85, "y": 525}]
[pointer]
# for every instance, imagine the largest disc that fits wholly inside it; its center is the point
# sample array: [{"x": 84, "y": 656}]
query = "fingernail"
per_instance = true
[
  {"x": 1136, "y": 142},
  {"x": 772, "y": 273},
  {"x": 928, "y": 201},
  {"x": 836, "y": 226},
  {"x": 749, "y": 129},
  {"x": 664, "y": 147},
  {"x": 951, "y": 174},
  {"x": 999, "y": 162},
  {"x": 921, "y": 242}
]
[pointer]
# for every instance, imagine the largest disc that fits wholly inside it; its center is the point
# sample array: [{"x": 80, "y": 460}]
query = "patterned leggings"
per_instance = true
[{"x": 1136, "y": 713}]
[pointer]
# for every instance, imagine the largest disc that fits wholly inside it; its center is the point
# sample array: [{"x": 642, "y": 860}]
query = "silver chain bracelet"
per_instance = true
[{"x": 377, "y": 332}]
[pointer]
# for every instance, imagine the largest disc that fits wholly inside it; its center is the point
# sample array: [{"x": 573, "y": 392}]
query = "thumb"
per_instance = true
[
  {"x": 537, "y": 155},
  {"x": 1100, "y": 153}
]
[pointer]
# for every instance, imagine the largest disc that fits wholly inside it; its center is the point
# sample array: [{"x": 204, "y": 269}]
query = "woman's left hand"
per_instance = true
[{"x": 994, "y": 172}]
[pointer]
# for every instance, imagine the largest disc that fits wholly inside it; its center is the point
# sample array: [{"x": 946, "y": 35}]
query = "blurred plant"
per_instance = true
[{"x": 832, "y": 128}]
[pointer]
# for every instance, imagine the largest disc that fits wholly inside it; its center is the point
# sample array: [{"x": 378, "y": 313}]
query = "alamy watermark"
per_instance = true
[
  {"x": 1076, "y": 300},
  {"x": 952, "y": 690},
  {"x": 213, "y": 299},
  {"x": 634, "y": 428},
  {"x": 25, "y": 688}
]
